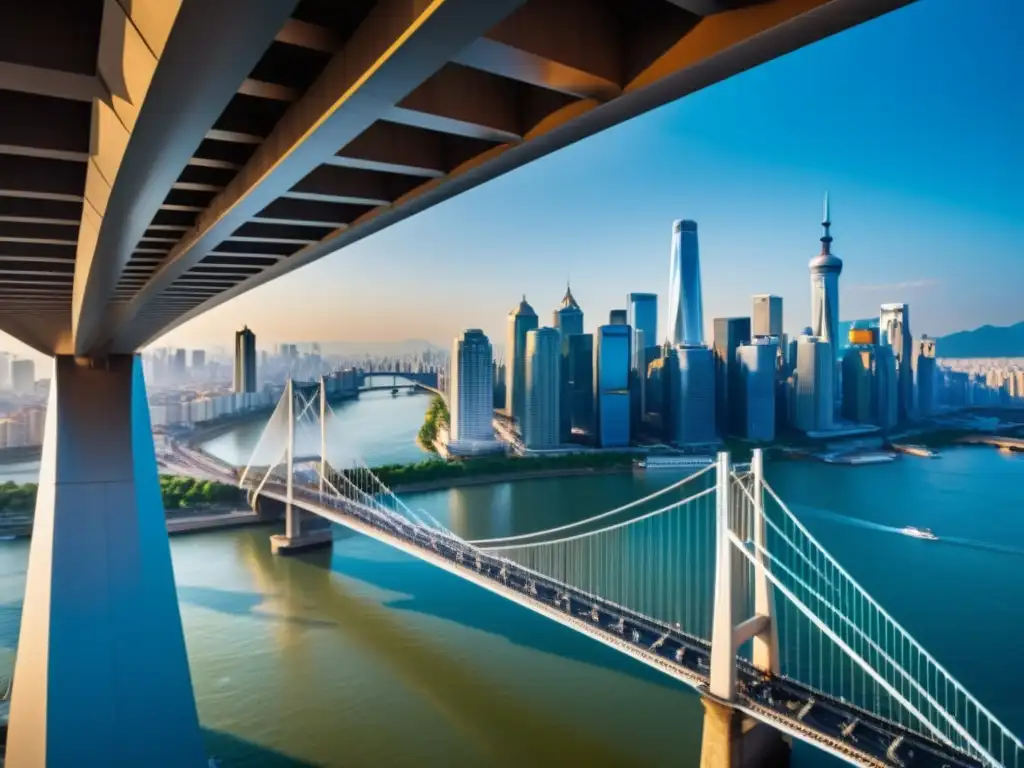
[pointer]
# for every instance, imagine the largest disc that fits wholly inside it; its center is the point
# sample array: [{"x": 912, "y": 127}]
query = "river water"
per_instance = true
[{"x": 363, "y": 656}]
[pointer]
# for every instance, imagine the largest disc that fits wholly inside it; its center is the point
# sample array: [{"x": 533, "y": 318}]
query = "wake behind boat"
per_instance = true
[{"x": 920, "y": 533}]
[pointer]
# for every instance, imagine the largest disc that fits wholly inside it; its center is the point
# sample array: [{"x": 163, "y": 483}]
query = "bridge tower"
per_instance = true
[
  {"x": 298, "y": 537},
  {"x": 730, "y": 739}
]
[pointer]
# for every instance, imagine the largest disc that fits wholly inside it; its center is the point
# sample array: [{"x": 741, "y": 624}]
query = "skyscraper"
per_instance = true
[
  {"x": 894, "y": 326},
  {"x": 869, "y": 384},
  {"x": 815, "y": 392},
  {"x": 642, "y": 317},
  {"x": 825, "y": 270},
  {"x": 685, "y": 310},
  {"x": 756, "y": 401},
  {"x": 767, "y": 316},
  {"x": 694, "y": 406},
  {"x": 730, "y": 333},
  {"x": 245, "y": 361},
  {"x": 198, "y": 358},
  {"x": 521, "y": 320},
  {"x": 541, "y": 425},
  {"x": 23, "y": 376},
  {"x": 579, "y": 370},
  {"x": 926, "y": 373},
  {"x": 568, "y": 318},
  {"x": 472, "y": 389},
  {"x": 618, "y": 317},
  {"x": 611, "y": 385}
]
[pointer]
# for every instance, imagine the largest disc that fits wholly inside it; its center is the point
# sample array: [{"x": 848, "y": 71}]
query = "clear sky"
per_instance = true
[{"x": 913, "y": 122}]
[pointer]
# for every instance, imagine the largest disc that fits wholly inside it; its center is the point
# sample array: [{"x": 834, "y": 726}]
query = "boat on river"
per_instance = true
[{"x": 920, "y": 533}]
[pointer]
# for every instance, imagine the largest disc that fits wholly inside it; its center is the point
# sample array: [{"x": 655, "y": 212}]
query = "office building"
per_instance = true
[
  {"x": 198, "y": 358},
  {"x": 568, "y": 318},
  {"x": 578, "y": 352},
  {"x": 471, "y": 401},
  {"x": 756, "y": 401},
  {"x": 611, "y": 386},
  {"x": 179, "y": 363},
  {"x": 869, "y": 385},
  {"x": 5, "y": 370},
  {"x": 894, "y": 332},
  {"x": 642, "y": 317},
  {"x": 541, "y": 426},
  {"x": 685, "y": 308},
  {"x": 814, "y": 391},
  {"x": 694, "y": 405},
  {"x": 663, "y": 392},
  {"x": 245, "y": 361},
  {"x": 825, "y": 269},
  {"x": 618, "y": 317},
  {"x": 767, "y": 316},
  {"x": 730, "y": 333},
  {"x": 926, "y": 374},
  {"x": 521, "y": 321},
  {"x": 23, "y": 377}
]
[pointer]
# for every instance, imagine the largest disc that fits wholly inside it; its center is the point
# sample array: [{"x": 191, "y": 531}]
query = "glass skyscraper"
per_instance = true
[
  {"x": 541, "y": 425},
  {"x": 611, "y": 385},
  {"x": 685, "y": 310},
  {"x": 642, "y": 317},
  {"x": 472, "y": 388},
  {"x": 568, "y": 320},
  {"x": 814, "y": 399},
  {"x": 694, "y": 408},
  {"x": 521, "y": 320},
  {"x": 730, "y": 333},
  {"x": 245, "y": 361},
  {"x": 894, "y": 332},
  {"x": 756, "y": 402}
]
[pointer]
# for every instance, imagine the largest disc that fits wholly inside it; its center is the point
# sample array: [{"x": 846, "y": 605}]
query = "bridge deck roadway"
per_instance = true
[{"x": 776, "y": 701}]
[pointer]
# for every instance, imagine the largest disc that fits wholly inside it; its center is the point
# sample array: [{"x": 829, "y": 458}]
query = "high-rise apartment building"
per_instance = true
[
  {"x": 521, "y": 321},
  {"x": 642, "y": 317},
  {"x": 472, "y": 389},
  {"x": 694, "y": 406},
  {"x": 756, "y": 401},
  {"x": 767, "y": 316},
  {"x": 245, "y": 361},
  {"x": 894, "y": 332},
  {"x": 814, "y": 398},
  {"x": 542, "y": 425},
  {"x": 825, "y": 269},
  {"x": 611, "y": 385},
  {"x": 23, "y": 376},
  {"x": 685, "y": 308},
  {"x": 730, "y": 334}
]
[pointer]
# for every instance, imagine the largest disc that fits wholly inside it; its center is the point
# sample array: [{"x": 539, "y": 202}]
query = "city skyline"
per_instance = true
[{"x": 909, "y": 227}]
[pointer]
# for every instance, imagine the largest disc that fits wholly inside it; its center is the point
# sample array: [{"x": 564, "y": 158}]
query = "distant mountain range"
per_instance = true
[{"x": 987, "y": 341}]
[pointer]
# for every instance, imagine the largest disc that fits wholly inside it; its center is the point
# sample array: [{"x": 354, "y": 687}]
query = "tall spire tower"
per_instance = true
[{"x": 825, "y": 269}]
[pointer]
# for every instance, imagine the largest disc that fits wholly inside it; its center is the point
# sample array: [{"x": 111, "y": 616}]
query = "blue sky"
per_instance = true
[{"x": 913, "y": 122}]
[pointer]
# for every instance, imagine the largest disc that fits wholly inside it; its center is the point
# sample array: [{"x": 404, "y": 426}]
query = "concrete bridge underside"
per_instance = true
[{"x": 160, "y": 157}]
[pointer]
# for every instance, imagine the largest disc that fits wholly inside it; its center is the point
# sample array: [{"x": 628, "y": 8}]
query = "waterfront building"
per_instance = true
[
  {"x": 521, "y": 321},
  {"x": 472, "y": 390},
  {"x": 642, "y": 317},
  {"x": 579, "y": 369},
  {"x": 663, "y": 392},
  {"x": 23, "y": 376},
  {"x": 756, "y": 403},
  {"x": 894, "y": 325},
  {"x": 568, "y": 318},
  {"x": 618, "y": 317},
  {"x": 541, "y": 426},
  {"x": 813, "y": 395},
  {"x": 694, "y": 408},
  {"x": 729, "y": 334},
  {"x": 685, "y": 308},
  {"x": 926, "y": 374},
  {"x": 825, "y": 269},
  {"x": 611, "y": 386},
  {"x": 767, "y": 316},
  {"x": 245, "y": 361}
]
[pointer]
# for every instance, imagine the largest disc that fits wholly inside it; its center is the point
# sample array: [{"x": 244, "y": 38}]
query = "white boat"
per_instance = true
[
  {"x": 675, "y": 462},
  {"x": 859, "y": 458},
  {"x": 920, "y": 533}
]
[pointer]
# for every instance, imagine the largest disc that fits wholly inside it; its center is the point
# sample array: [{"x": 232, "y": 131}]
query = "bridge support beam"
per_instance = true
[
  {"x": 732, "y": 740},
  {"x": 101, "y": 676}
]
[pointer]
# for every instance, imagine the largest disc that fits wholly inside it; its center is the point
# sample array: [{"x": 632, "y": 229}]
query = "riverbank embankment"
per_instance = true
[{"x": 21, "y": 527}]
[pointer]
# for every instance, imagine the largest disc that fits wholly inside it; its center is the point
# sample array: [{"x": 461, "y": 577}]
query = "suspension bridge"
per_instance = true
[{"x": 711, "y": 580}]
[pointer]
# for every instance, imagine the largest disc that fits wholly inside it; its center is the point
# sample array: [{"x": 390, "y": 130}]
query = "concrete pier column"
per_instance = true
[
  {"x": 733, "y": 740},
  {"x": 101, "y": 676}
]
